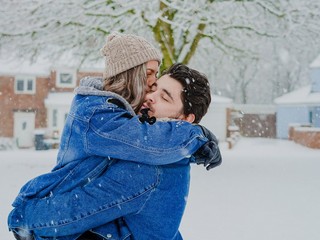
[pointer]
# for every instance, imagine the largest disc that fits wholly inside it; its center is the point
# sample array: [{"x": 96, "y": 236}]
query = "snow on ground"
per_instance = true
[{"x": 266, "y": 189}]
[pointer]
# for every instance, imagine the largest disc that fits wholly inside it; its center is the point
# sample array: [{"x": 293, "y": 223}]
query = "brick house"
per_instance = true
[
  {"x": 298, "y": 112},
  {"x": 30, "y": 102}
]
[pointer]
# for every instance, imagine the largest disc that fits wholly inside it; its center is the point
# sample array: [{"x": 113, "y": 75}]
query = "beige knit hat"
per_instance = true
[{"x": 125, "y": 51}]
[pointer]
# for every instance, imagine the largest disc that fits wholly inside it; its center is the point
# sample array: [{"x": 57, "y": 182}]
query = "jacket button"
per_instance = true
[{"x": 109, "y": 236}]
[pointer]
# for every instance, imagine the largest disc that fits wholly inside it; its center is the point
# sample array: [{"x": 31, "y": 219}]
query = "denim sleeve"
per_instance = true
[
  {"x": 124, "y": 138},
  {"x": 122, "y": 190}
]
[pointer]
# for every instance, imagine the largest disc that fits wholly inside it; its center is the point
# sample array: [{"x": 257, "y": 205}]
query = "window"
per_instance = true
[
  {"x": 25, "y": 85},
  {"x": 66, "y": 78},
  {"x": 55, "y": 118}
]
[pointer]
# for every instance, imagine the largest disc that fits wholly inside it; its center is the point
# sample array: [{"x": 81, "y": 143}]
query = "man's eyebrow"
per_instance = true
[{"x": 168, "y": 93}]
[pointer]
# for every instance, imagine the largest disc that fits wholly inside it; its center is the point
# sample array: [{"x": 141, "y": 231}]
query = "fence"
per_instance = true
[{"x": 306, "y": 136}]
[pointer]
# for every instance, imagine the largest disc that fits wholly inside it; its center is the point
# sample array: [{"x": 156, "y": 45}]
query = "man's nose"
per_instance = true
[{"x": 150, "y": 97}]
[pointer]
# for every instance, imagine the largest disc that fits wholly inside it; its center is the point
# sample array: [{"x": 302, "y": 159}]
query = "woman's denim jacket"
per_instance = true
[{"x": 89, "y": 187}]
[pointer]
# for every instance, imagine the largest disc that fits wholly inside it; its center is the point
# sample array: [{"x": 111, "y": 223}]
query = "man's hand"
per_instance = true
[{"x": 209, "y": 154}]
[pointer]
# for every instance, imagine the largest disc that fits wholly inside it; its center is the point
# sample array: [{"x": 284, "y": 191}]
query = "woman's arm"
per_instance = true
[
  {"x": 123, "y": 189},
  {"x": 114, "y": 133}
]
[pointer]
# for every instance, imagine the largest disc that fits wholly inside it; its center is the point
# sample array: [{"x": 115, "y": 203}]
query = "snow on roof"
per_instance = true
[
  {"x": 315, "y": 63},
  {"x": 307, "y": 129},
  {"x": 14, "y": 67},
  {"x": 42, "y": 67},
  {"x": 300, "y": 96},
  {"x": 255, "y": 108},
  {"x": 219, "y": 99},
  {"x": 85, "y": 67},
  {"x": 59, "y": 99}
]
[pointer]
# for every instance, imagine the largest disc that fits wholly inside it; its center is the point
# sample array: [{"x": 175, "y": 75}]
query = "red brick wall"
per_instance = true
[
  {"x": 42, "y": 88},
  {"x": 6, "y": 101},
  {"x": 309, "y": 137},
  {"x": 11, "y": 102}
]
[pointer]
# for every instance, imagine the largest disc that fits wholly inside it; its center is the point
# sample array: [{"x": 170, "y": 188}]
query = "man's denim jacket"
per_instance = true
[{"x": 89, "y": 187}]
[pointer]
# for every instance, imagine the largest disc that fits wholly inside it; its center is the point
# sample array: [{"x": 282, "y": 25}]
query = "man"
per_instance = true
[{"x": 181, "y": 93}]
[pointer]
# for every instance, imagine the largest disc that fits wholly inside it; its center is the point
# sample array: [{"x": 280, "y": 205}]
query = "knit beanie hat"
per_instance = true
[{"x": 125, "y": 51}]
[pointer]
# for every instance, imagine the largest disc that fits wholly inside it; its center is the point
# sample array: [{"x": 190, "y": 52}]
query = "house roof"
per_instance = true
[
  {"x": 42, "y": 67},
  {"x": 59, "y": 99},
  {"x": 315, "y": 63},
  {"x": 219, "y": 99},
  {"x": 255, "y": 108},
  {"x": 300, "y": 96},
  {"x": 14, "y": 67}
]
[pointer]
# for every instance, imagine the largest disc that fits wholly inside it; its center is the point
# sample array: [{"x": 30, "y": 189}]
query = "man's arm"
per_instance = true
[{"x": 209, "y": 154}]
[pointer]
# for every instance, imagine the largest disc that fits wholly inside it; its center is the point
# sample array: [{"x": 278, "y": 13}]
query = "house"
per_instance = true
[
  {"x": 216, "y": 118},
  {"x": 36, "y": 98},
  {"x": 224, "y": 118},
  {"x": 300, "y": 108}
]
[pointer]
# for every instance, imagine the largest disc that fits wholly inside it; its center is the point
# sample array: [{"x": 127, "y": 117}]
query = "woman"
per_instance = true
[{"x": 101, "y": 126}]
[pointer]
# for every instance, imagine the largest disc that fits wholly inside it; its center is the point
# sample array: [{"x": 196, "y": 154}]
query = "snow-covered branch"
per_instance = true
[{"x": 212, "y": 31}]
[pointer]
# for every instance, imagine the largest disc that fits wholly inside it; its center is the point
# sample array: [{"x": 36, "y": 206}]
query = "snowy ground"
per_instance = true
[{"x": 265, "y": 189}]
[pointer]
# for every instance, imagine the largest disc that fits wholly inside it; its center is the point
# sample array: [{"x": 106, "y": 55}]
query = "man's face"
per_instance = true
[
  {"x": 152, "y": 72},
  {"x": 165, "y": 99}
]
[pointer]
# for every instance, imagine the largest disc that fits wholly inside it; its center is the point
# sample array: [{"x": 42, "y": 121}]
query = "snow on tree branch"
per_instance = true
[{"x": 187, "y": 31}]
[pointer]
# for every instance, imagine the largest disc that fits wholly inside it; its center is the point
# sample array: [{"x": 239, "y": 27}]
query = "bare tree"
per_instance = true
[{"x": 186, "y": 31}]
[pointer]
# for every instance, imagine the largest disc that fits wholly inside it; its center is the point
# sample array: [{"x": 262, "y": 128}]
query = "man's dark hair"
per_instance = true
[{"x": 195, "y": 96}]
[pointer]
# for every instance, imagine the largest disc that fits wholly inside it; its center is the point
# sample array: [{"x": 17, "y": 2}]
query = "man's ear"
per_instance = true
[{"x": 190, "y": 118}]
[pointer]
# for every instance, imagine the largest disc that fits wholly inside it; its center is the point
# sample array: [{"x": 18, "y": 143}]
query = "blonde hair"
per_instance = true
[{"x": 130, "y": 84}]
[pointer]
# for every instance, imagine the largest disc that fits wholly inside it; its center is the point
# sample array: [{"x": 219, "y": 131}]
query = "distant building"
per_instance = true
[
  {"x": 254, "y": 120},
  {"x": 36, "y": 97},
  {"x": 300, "y": 107},
  {"x": 216, "y": 118}
]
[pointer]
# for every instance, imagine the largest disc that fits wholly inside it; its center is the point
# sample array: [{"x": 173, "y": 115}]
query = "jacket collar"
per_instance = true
[{"x": 93, "y": 86}]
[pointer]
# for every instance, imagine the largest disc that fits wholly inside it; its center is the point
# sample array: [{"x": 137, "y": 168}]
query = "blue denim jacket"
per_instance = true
[
  {"x": 151, "y": 200},
  {"x": 72, "y": 198}
]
